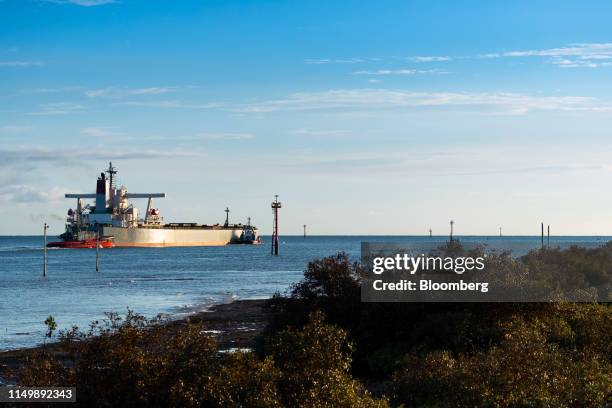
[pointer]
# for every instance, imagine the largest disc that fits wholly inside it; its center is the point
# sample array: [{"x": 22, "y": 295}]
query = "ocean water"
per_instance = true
[{"x": 175, "y": 281}]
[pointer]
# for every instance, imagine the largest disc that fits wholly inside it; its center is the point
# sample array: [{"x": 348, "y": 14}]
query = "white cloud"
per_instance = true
[
  {"x": 387, "y": 72},
  {"x": 490, "y": 55},
  {"x": 587, "y": 55},
  {"x": 587, "y": 51},
  {"x": 21, "y": 64},
  {"x": 100, "y": 132},
  {"x": 84, "y": 3},
  {"x": 406, "y": 71},
  {"x": 398, "y": 99},
  {"x": 96, "y": 93},
  {"x": 322, "y": 61},
  {"x": 582, "y": 55},
  {"x": 320, "y": 132},
  {"x": 171, "y": 104},
  {"x": 19, "y": 193},
  {"x": 131, "y": 97},
  {"x": 580, "y": 63},
  {"x": 325, "y": 61},
  {"x": 58, "y": 108},
  {"x": 117, "y": 93},
  {"x": 106, "y": 132},
  {"x": 155, "y": 90},
  {"x": 223, "y": 136},
  {"x": 374, "y": 81},
  {"x": 429, "y": 59},
  {"x": 30, "y": 156},
  {"x": 467, "y": 161},
  {"x": 52, "y": 90}
]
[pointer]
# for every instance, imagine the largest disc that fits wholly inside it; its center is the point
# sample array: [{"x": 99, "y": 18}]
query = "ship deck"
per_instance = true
[{"x": 195, "y": 226}]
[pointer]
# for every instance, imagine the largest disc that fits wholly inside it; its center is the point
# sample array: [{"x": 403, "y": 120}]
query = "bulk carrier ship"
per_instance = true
[{"x": 114, "y": 221}]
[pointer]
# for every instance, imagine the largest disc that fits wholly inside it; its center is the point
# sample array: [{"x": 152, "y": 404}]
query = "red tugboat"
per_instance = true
[
  {"x": 85, "y": 243},
  {"x": 71, "y": 241}
]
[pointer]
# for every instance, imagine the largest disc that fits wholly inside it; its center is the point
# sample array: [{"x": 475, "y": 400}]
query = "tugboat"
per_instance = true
[
  {"x": 249, "y": 235},
  {"x": 84, "y": 243},
  {"x": 70, "y": 239}
]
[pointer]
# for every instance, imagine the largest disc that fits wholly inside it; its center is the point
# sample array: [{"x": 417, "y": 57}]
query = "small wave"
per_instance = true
[
  {"x": 21, "y": 248},
  {"x": 236, "y": 350},
  {"x": 192, "y": 308},
  {"x": 212, "y": 332},
  {"x": 188, "y": 306},
  {"x": 159, "y": 279},
  {"x": 246, "y": 329},
  {"x": 229, "y": 298}
]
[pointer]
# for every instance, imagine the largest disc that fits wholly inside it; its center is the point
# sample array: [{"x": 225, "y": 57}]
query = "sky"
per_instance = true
[{"x": 386, "y": 117}]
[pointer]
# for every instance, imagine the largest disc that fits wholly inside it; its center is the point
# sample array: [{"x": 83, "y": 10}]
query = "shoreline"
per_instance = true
[{"x": 235, "y": 325}]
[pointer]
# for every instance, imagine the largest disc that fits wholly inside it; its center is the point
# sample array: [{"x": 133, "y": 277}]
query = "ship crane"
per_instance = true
[{"x": 150, "y": 197}]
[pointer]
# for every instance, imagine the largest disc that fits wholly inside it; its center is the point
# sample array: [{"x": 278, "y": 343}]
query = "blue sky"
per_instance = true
[{"x": 365, "y": 117}]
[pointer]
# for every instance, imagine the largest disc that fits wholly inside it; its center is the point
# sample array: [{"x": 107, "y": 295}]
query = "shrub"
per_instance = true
[
  {"x": 530, "y": 367},
  {"x": 473, "y": 354},
  {"x": 315, "y": 363},
  {"x": 245, "y": 381},
  {"x": 330, "y": 284},
  {"x": 138, "y": 362}
]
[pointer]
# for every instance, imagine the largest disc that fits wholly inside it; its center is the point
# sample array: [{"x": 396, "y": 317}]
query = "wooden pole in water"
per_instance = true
[
  {"x": 430, "y": 233},
  {"x": 304, "y": 230},
  {"x": 548, "y": 238},
  {"x": 45, "y": 227},
  {"x": 98, "y": 249},
  {"x": 451, "y": 231},
  {"x": 542, "y": 235},
  {"x": 500, "y": 231}
]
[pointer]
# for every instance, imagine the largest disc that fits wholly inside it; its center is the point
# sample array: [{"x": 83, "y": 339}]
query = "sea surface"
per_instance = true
[{"x": 174, "y": 281}]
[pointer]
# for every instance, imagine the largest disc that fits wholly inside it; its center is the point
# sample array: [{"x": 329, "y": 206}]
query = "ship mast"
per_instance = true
[
  {"x": 227, "y": 211},
  {"x": 111, "y": 174}
]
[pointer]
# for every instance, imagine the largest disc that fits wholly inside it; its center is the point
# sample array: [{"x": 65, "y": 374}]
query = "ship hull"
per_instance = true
[{"x": 173, "y": 237}]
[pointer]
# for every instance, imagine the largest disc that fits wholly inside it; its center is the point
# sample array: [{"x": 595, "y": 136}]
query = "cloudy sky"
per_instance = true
[{"x": 365, "y": 117}]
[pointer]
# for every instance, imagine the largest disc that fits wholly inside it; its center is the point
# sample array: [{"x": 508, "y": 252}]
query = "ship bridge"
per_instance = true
[{"x": 111, "y": 201}]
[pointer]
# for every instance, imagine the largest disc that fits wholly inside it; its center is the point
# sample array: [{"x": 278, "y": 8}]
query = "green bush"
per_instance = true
[
  {"x": 330, "y": 284},
  {"x": 315, "y": 362},
  {"x": 472, "y": 354},
  {"x": 138, "y": 362},
  {"x": 243, "y": 380},
  {"x": 529, "y": 367}
]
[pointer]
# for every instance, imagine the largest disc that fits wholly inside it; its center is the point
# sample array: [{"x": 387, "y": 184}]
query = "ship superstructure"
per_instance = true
[{"x": 112, "y": 216}]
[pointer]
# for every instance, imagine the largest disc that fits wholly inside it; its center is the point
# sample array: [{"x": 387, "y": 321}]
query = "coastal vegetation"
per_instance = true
[
  {"x": 472, "y": 354},
  {"x": 135, "y": 362},
  {"x": 323, "y": 347}
]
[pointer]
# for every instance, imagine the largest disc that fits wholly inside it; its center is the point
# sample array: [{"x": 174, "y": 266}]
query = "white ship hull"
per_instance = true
[{"x": 172, "y": 237}]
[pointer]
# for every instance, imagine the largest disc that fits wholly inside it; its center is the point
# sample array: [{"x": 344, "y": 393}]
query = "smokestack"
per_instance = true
[{"x": 102, "y": 194}]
